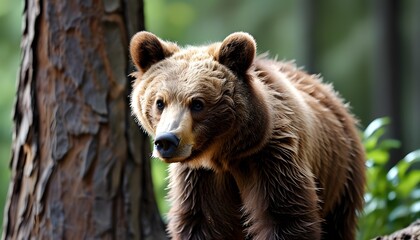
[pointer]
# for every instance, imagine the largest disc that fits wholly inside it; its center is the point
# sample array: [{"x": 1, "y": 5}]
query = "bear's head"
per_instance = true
[{"x": 197, "y": 101}]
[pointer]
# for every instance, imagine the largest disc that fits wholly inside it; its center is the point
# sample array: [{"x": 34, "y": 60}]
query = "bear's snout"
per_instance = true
[{"x": 166, "y": 144}]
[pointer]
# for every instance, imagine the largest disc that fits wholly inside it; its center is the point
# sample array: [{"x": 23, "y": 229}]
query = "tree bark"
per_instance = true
[
  {"x": 410, "y": 232},
  {"x": 80, "y": 165}
]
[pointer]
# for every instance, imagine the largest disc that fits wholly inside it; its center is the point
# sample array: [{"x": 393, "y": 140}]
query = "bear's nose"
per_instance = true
[{"x": 166, "y": 144}]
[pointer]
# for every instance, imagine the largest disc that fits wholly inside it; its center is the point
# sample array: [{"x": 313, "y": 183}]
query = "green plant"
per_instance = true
[{"x": 393, "y": 194}]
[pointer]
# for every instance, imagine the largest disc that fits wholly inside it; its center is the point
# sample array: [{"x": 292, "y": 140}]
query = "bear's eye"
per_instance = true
[
  {"x": 160, "y": 105},
  {"x": 197, "y": 105}
]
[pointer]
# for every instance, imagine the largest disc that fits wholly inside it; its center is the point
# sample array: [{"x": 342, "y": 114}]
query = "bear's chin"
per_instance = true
[
  {"x": 195, "y": 160},
  {"x": 172, "y": 160}
]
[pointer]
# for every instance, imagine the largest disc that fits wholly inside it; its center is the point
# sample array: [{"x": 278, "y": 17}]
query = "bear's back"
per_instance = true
[{"x": 324, "y": 127}]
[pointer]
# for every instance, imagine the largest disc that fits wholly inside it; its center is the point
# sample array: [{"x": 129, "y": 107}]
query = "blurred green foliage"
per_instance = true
[
  {"x": 160, "y": 184},
  {"x": 393, "y": 194},
  {"x": 10, "y": 33}
]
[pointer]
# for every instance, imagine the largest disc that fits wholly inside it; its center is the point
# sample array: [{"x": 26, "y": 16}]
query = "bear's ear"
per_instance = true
[
  {"x": 146, "y": 49},
  {"x": 237, "y": 52}
]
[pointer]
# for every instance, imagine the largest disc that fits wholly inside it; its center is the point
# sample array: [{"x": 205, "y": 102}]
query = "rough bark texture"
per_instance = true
[
  {"x": 80, "y": 165},
  {"x": 408, "y": 233}
]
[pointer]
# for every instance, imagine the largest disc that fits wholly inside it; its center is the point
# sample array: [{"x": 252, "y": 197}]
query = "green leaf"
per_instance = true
[
  {"x": 415, "y": 194},
  {"x": 378, "y": 156},
  {"x": 412, "y": 157},
  {"x": 402, "y": 166},
  {"x": 408, "y": 183},
  {"x": 375, "y": 125},
  {"x": 393, "y": 176},
  {"x": 370, "y": 143},
  {"x": 388, "y": 144},
  {"x": 399, "y": 212},
  {"x": 415, "y": 207}
]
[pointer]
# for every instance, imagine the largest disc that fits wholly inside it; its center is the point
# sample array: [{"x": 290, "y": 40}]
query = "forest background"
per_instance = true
[{"x": 371, "y": 56}]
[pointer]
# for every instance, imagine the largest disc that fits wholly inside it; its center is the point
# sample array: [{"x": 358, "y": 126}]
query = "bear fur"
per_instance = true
[{"x": 258, "y": 149}]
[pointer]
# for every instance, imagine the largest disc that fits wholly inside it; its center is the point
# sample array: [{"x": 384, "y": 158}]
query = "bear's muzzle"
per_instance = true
[{"x": 166, "y": 144}]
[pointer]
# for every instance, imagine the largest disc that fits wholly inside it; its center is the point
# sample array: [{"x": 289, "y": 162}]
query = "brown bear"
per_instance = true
[{"x": 258, "y": 149}]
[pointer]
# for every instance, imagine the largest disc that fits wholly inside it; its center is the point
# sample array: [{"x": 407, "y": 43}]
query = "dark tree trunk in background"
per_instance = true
[
  {"x": 412, "y": 129},
  {"x": 388, "y": 79},
  {"x": 80, "y": 165}
]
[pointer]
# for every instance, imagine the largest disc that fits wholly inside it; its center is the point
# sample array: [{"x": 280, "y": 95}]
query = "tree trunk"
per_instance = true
[
  {"x": 80, "y": 165},
  {"x": 387, "y": 80}
]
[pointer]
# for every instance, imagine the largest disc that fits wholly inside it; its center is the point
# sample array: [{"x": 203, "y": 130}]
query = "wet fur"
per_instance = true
[{"x": 276, "y": 152}]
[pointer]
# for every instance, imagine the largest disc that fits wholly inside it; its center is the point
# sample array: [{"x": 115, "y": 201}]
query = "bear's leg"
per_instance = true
[
  {"x": 340, "y": 223},
  {"x": 279, "y": 199},
  {"x": 205, "y": 205}
]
